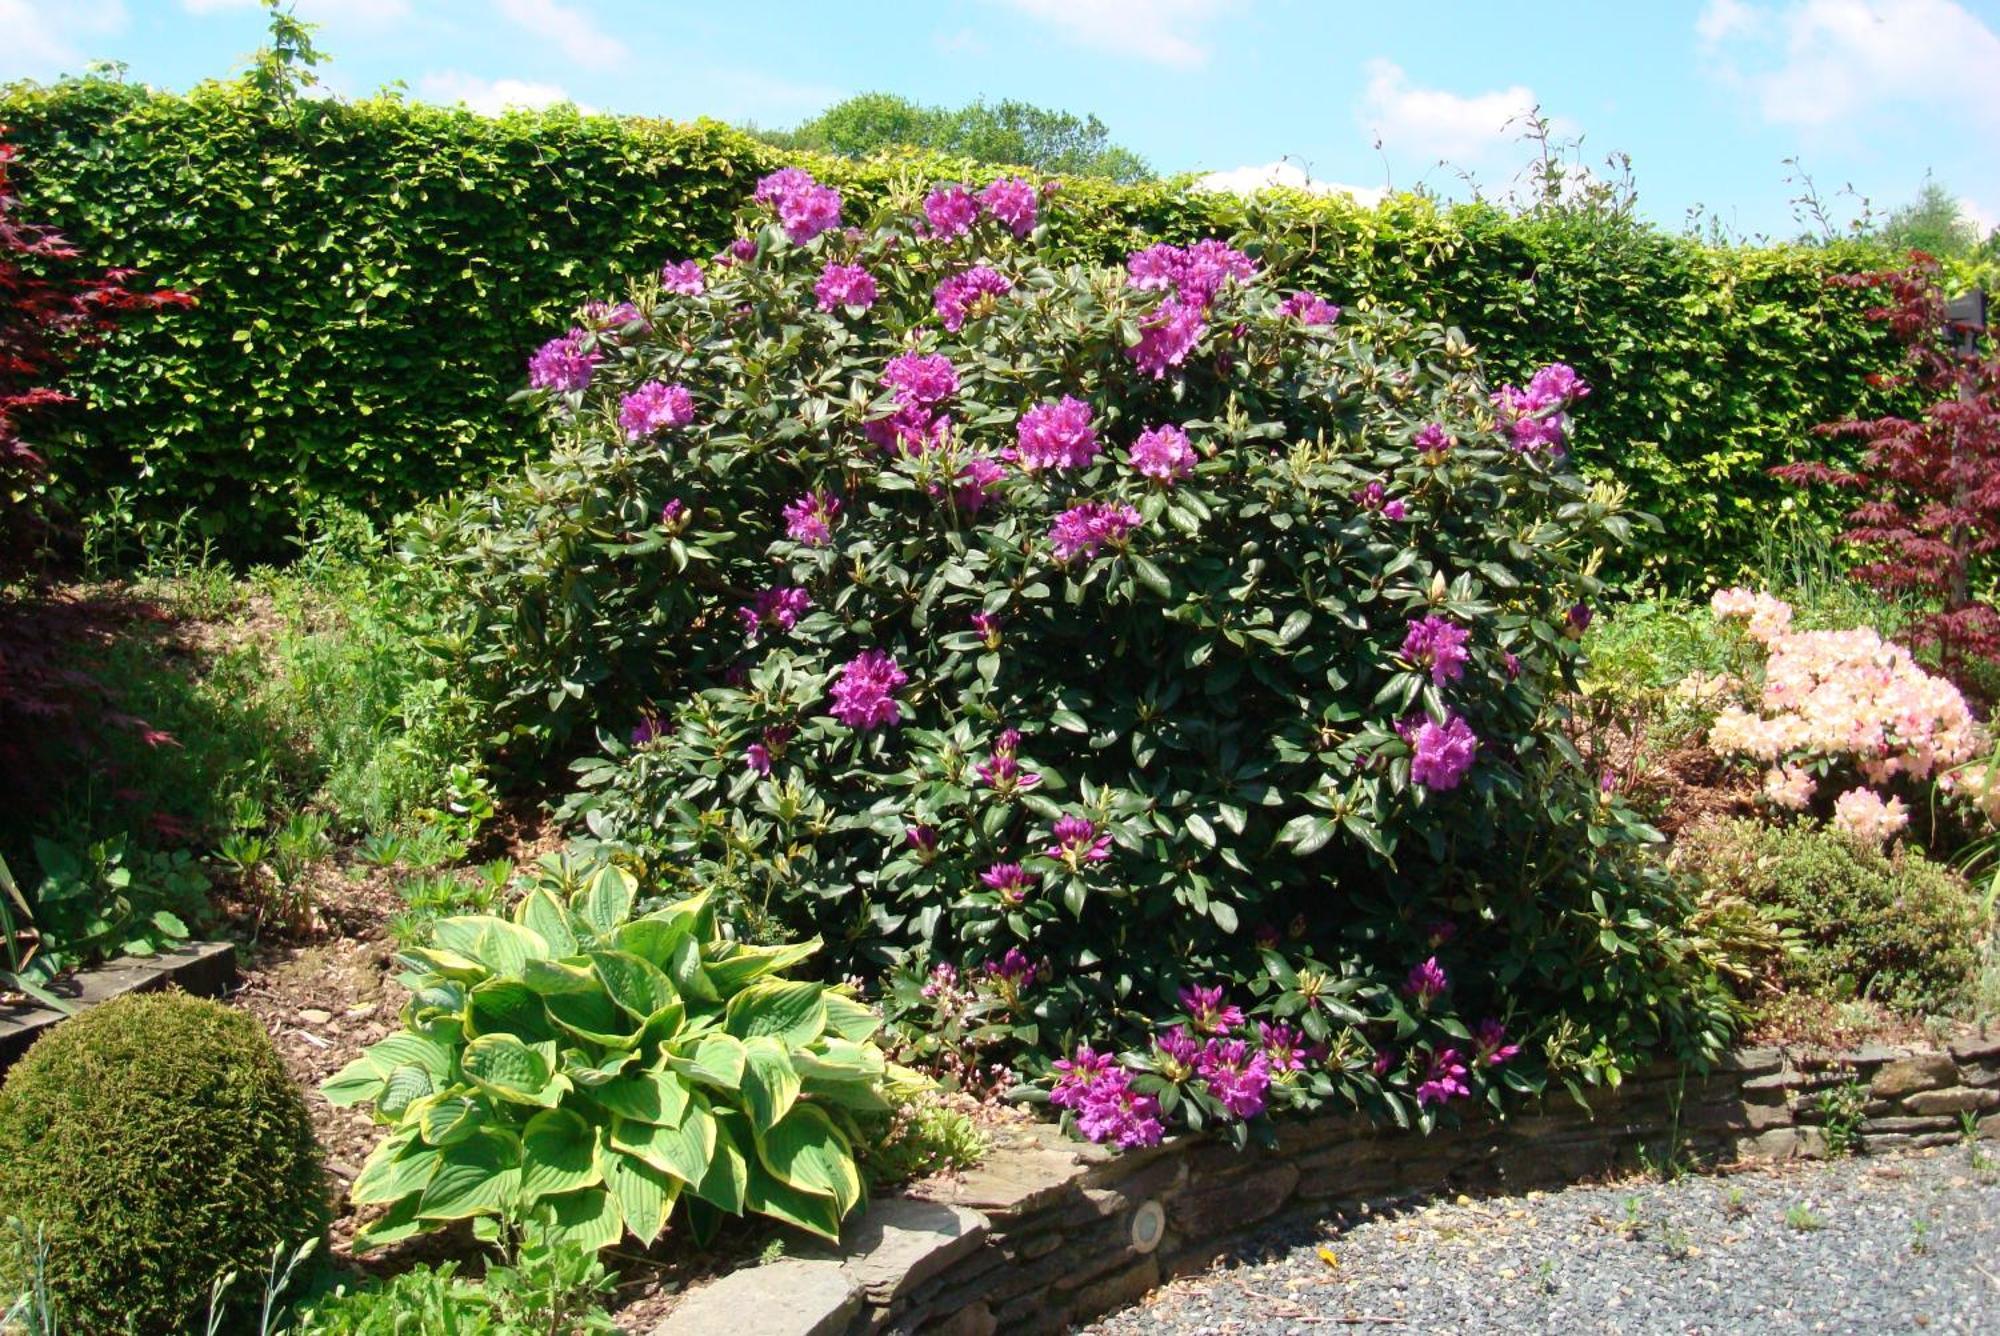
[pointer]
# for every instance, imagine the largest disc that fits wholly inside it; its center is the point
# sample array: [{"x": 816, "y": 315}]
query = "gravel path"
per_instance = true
[{"x": 1892, "y": 1244}]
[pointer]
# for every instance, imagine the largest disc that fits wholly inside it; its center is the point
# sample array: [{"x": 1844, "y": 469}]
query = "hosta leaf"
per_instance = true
[
  {"x": 394, "y": 1171},
  {"x": 584, "y": 1070},
  {"x": 481, "y": 1175},
  {"x": 558, "y": 1154},
  {"x": 405, "y": 1086},
  {"x": 717, "y": 1059},
  {"x": 452, "y": 1119},
  {"x": 647, "y": 1097},
  {"x": 401, "y": 1222},
  {"x": 448, "y": 963},
  {"x": 728, "y": 1176},
  {"x": 508, "y": 1069},
  {"x": 645, "y": 1195},
  {"x": 777, "y": 1199},
  {"x": 654, "y": 938},
  {"x": 593, "y": 1017},
  {"x": 791, "y": 1011},
  {"x": 806, "y": 1151},
  {"x": 839, "y": 1060},
  {"x": 684, "y": 966},
  {"x": 746, "y": 963},
  {"x": 589, "y": 1219},
  {"x": 682, "y": 1151},
  {"x": 503, "y": 947},
  {"x": 770, "y": 1085},
  {"x": 358, "y": 1082},
  {"x": 407, "y": 1049},
  {"x": 635, "y": 984},
  {"x": 543, "y": 915},
  {"x": 507, "y": 1006},
  {"x": 607, "y": 901},
  {"x": 552, "y": 977},
  {"x": 850, "y": 1019}
]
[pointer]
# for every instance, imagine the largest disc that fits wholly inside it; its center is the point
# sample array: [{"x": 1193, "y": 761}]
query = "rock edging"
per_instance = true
[{"x": 1048, "y": 1232}]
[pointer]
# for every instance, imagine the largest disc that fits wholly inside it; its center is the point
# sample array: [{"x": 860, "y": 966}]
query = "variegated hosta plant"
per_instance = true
[{"x": 577, "y": 1070}]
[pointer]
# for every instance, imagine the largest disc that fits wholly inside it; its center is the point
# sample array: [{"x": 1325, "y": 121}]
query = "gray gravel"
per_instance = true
[{"x": 1702, "y": 1254}]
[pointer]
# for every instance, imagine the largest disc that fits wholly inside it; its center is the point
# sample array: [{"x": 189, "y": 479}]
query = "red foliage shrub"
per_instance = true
[{"x": 1929, "y": 517}]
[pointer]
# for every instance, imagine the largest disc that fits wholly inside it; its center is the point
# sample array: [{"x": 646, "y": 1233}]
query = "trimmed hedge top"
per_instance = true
[{"x": 373, "y": 273}]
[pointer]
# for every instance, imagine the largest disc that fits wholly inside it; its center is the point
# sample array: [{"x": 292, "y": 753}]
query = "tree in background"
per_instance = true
[
  {"x": 1006, "y": 133},
  {"x": 1935, "y": 223}
]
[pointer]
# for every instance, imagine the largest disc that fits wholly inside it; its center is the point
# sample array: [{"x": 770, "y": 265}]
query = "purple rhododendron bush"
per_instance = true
[{"x": 1148, "y": 681}]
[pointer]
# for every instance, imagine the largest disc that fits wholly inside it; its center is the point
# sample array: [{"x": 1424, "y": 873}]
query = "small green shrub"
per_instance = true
[
  {"x": 925, "y": 1133},
  {"x": 574, "y": 1071},
  {"x": 549, "y": 1292},
  {"x": 1897, "y": 928},
  {"x": 156, "y": 1143}
]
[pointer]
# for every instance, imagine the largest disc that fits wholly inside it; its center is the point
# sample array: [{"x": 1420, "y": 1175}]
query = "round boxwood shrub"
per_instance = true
[
  {"x": 1895, "y": 927},
  {"x": 1164, "y": 627},
  {"x": 153, "y": 1143}
]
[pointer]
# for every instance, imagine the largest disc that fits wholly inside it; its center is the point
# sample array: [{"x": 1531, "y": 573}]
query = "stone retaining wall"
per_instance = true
[{"x": 1050, "y": 1232}]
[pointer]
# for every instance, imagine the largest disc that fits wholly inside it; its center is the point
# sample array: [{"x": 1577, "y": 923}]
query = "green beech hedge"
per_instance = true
[{"x": 373, "y": 275}]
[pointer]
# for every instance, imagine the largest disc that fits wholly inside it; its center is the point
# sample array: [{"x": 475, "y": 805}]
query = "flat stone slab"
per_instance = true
[
  {"x": 795, "y": 1296},
  {"x": 205, "y": 969},
  {"x": 900, "y": 1242}
]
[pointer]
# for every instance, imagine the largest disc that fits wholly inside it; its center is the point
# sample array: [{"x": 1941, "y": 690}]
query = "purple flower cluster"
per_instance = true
[
  {"x": 1055, "y": 436},
  {"x": 1375, "y": 497},
  {"x": 607, "y": 318},
  {"x": 976, "y": 478},
  {"x": 864, "y": 696},
  {"x": 1537, "y": 418},
  {"x": 683, "y": 279},
  {"x": 805, "y": 208},
  {"x": 809, "y": 519},
  {"x": 1193, "y": 273},
  {"x": 1167, "y": 336},
  {"x": 1099, "y": 1092},
  {"x": 1014, "y": 969},
  {"x": 951, "y": 211},
  {"x": 1237, "y": 1074},
  {"x": 1163, "y": 454},
  {"x": 1438, "y": 645},
  {"x": 1433, "y": 439},
  {"x": 1010, "y": 881},
  {"x": 923, "y": 841},
  {"x": 958, "y": 295},
  {"x": 1002, "y": 770},
  {"x": 1078, "y": 841},
  {"x": 1444, "y": 1078},
  {"x": 1013, "y": 202},
  {"x": 1440, "y": 754},
  {"x": 1309, "y": 308},
  {"x": 780, "y": 606},
  {"x": 562, "y": 364},
  {"x": 920, "y": 380},
  {"x": 1427, "y": 982},
  {"x": 844, "y": 285},
  {"x": 987, "y": 624},
  {"x": 1084, "y": 528},
  {"x": 1285, "y": 1049},
  {"x": 674, "y": 515},
  {"x": 1491, "y": 1041},
  {"x": 1209, "y": 1011},
  {"x": 653, "y": 408},
  {"x": 650, "y": 729}
]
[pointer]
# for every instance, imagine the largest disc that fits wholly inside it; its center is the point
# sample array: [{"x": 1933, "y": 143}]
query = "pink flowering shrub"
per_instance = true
[
  {"x": 1156, "y": 623},
  {"x": 1838, "y": 712}
]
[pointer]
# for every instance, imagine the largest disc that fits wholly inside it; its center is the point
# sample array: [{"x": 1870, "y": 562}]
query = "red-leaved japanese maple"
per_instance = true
[
  {"x": 1929, "y": 520},
  {"x": 49, "y": 307}
]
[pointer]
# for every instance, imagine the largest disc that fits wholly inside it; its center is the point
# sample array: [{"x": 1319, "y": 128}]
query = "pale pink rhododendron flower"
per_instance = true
[
  {"x": 1765, "y": 617},
  {"x": 1790, "y": 786},
  {"x": 1862, "y": 816}
]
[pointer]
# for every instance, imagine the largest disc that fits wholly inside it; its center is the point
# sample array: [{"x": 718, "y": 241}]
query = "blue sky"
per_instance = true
[{"x": 1708, "y": 97}]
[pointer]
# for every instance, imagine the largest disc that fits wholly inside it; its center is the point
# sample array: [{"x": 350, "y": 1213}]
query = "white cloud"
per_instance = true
[
  {"x": 1166, "y": 32},
  {"x": 1437, "y": 124},
  {"x": 1818, "y": 62},
  {"x": 41, "y": 40},
  {"x": 489, "y": 97},
  {"x": 1286, "y": 175},
  {"x": 568, "y": 28},
  {"x": 1980, "y": 217}
]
